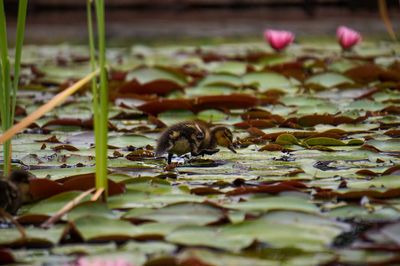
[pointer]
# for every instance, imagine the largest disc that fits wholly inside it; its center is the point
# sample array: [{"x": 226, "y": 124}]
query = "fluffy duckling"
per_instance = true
[
  {"x": 194, "y": 137},
  {"x": 14, "y": 191}
]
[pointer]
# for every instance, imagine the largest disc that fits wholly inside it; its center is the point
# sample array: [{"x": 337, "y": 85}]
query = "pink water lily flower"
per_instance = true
[
  {"x": 347, "y": 37},
  {"x": 102, "y": 262},
  {"x": 278, "y": 39}
]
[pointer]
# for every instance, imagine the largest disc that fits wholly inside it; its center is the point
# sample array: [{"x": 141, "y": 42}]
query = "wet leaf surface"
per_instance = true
[{"x": 315, "y": 180}]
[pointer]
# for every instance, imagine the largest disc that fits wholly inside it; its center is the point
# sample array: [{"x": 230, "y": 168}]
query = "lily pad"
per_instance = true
[
  {"x": 148, "y": 74},
  {"x": 330, "y": 79},
  {"x": 266, "y": 80},
  {"x": 208, "y": 237},
  {"x": 275, "y": 203},
  {"x": 181, "y": 213}
]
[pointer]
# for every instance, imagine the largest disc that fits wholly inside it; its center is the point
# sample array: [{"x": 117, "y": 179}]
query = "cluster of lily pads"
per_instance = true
[{"x": 315, "y": 180}]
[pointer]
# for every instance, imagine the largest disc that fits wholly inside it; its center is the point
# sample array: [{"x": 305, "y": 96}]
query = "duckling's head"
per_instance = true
[
  {"x": 21, "y": 179},
  {"x": 223, "y": 136}
]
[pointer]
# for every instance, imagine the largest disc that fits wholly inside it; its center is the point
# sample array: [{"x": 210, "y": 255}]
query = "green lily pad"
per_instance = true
[
  {"x": 150, "y": 248},
  {"x": 148, "y": 184},
  {"x": 305, "y": 219},
  {"x": 86, "y": 249},
  {"x": 389, "y": 145},
  {"x": 90, "y": 208},
  {"x": 34, "y": 235},
  {"x": 275, "y": 203},
  {"x": 180, "y": 213},
  {"x": 208, "y": 237},
  {"x": 286, "y": 139},
  {"x": 330, "y": 79},
  {"x": 389, "y": 181},
  {"x": 324, "y": 141},
  {"x": 232, "y": 67},
  {"x": 220, "y": 79},
  {"x": 354, "y": 211},
  {"x": 366, "y": 105},
  {"x": 148, "y": 74},
  {"x": 51, "y": 206},
  {"x": 59, "y": 173},
  {"x": 134, "y": 140},
  {"x": 135, "y": 199},
  {"x": 283, "y": 235},
  {"x": 304, "y": 101},
  {"x": 96, "y": 227},
  {"x": 267, "y": 80},
  {"x": 220, "y": 259}
]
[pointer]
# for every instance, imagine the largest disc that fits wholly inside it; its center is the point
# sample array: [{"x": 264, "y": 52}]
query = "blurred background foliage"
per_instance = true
[{"x": 127, "y": 21}]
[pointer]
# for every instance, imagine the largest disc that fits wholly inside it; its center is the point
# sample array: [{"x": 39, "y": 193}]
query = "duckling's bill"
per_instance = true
[{"x": 232, "y": 148}]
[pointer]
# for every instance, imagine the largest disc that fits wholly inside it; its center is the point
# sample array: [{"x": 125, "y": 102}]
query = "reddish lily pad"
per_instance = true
[
  {"x": 6, "y": 256},
  {"x": 43, "y": 188},
  {"x": 270, "y": 189},
  {"x": 159, "y": 106},
  {"x": 233, "y": 101},
  {"x": 159, "y": 87}
]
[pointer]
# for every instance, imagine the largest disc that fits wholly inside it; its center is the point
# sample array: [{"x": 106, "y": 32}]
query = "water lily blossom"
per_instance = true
[
  {"x": 278, "y": 39},
  {"x": 347, "y": 37},
  {"x": 102, "y": 262}
]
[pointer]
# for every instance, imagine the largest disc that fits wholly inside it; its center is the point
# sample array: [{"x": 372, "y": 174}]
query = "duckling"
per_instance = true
[
  {"x": 194, "y": 137},
  {"x": 14, "y": 191}
]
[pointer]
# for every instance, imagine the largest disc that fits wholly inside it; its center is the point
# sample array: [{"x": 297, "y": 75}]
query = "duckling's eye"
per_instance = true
[{"x": 199, "y": 135}]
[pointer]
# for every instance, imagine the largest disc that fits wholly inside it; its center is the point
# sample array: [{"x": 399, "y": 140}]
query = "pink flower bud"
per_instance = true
[
  {"x": 278, "y": 39},
  {"x": 347, "y": 37}
]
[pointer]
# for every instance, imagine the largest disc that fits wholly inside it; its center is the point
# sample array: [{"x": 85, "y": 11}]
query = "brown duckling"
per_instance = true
[
  {"x": 194, "y": 137},
  {"x": 14, "y": 191}
]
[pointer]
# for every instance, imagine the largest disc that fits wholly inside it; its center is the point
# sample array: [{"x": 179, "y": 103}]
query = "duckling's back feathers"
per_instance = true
[
  {"x": 180, "y": 138},
  {"x": 10, "y": 197}
]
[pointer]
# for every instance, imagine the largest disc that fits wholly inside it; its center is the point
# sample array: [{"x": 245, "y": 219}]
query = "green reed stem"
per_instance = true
[
  {"x": 7, "y": 104},
  {"x": 96, "y": 111},
  {"x": 23, "y": 5},
  {"x": 100, "y": 104}
]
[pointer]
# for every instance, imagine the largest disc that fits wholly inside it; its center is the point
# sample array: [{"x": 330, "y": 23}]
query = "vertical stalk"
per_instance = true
[
  {"x": 96, "y": 110},
  {"x": 102, "y": 117},
  {"x": 6, "y": 87},
  {"x": 23, "y": 4},
  {"x": 7, "y": 104}
]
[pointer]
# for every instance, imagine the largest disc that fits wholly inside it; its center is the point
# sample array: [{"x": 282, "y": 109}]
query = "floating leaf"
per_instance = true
[
  {"x": 181, "y": 213},
  {"x": 79, "y": 249},
  {"x": 267, "y": 80},
  {"x": 43, "y": 188},
  {"x": 275, "y": 203},
  {"x": 233, "y": 67},
  {"x": 282, "y": 235},
  {"x": 148, "y": 74},
  {"x": 159, "y": 87},
  {"x": 90, "y": 208},
  {"x": 208, "y": 237},
  {"x": 377, "y": 193},
  {"x": 330, "y": 79},
  {"x": 134, "y": 199},
  {"x": 233, "y": 101},
  {"x": 270, "y": 189},
  {"x": 324, "y": 141},
  {"x": 150, "y": 248},
  {"x": 100, "y": 228},
  {"x": 221, "y": 79},
  {"x": 35, "y": 236},
  {"x": 159, "y": 106},
  {"x": 286, "y": 139}
]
